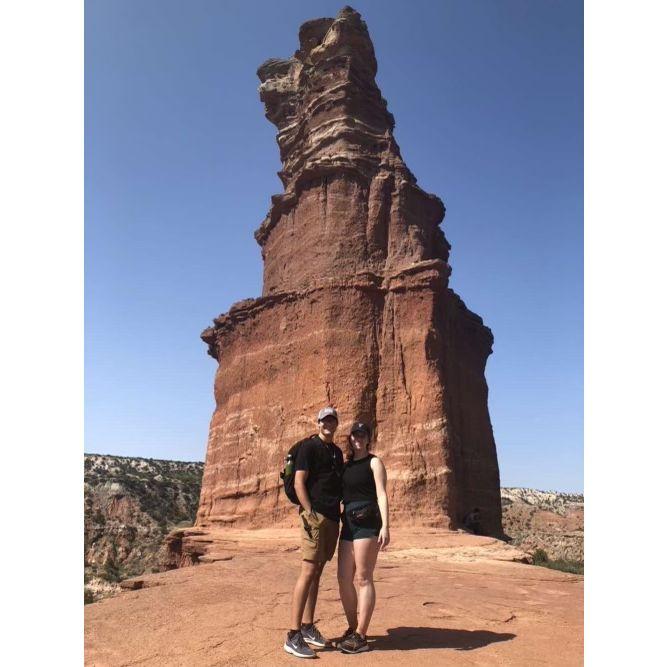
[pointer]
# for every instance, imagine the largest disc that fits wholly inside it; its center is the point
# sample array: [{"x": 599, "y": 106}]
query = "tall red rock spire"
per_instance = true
[{"x": 355, "y": 311}]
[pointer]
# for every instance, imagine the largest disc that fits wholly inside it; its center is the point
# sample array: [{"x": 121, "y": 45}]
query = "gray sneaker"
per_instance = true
[
  {"x": 348, "y": 633},
  {"x": 296, "y": 646},
  {"x": 314, "y": 637},
  {"x": 354, "y": 643}
]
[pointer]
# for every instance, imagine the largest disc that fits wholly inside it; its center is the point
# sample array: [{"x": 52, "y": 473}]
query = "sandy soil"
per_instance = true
[{"x": 442, "y": 598}]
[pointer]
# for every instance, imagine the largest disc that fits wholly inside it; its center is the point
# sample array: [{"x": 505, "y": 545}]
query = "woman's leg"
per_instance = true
[
  {"x": 365, "y": 557},
  {"x": 348, "y": 594}
]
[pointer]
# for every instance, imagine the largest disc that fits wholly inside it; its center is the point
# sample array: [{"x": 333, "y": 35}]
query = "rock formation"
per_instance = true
[{"x": 355, "y": 312}]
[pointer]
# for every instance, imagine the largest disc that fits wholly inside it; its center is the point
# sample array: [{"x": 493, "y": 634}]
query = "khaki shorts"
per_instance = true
[{"x": 319, "y": 537}]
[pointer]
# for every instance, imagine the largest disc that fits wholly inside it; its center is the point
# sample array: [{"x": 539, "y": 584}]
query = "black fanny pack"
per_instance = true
[{"x": 366, "y": 517}]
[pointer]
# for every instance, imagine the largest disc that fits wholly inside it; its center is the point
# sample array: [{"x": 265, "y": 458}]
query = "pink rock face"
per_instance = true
[{"x": 356, "y": 311}]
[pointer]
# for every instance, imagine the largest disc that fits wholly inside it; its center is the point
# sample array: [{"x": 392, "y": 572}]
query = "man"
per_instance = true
[
  {"x": 317, "y": 482},
  {"x": 471, "y": 522}
]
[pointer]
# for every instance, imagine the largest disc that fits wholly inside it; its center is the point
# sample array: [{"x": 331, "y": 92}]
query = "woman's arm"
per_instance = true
[{"x": 380, "y": 476}]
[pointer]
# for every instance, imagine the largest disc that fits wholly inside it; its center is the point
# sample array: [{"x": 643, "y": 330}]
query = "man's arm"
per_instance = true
[
  {"x": 303, "y": 464},
  {"x": 300, "y": 477}
]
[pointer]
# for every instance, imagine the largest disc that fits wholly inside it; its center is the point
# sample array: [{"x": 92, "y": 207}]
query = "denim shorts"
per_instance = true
[{"x": 350, "y": 530}]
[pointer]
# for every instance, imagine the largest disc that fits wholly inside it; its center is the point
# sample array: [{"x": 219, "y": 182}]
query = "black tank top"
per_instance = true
[{"x": 358, "y": 480}]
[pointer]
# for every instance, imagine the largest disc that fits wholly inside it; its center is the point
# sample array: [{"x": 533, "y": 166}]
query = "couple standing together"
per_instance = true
[{"x": 321, "y": 481}]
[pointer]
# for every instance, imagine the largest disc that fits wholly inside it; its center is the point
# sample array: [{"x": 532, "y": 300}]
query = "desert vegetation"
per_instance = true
[
  {"x": 541, "y": 558},
  {"x": 130, "y": 505},
  {"x": 547, "y": 523}
]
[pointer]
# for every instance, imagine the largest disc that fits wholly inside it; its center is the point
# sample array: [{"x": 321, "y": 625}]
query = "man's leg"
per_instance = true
[
  {"x": 311, "y": 600},
  {"x": 309, "y": 571}
]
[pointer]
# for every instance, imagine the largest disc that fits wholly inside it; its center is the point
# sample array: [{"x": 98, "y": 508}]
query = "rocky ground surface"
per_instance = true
[
  {"x": 547, "y": 520},
  {"x": 443, "y": 598}
]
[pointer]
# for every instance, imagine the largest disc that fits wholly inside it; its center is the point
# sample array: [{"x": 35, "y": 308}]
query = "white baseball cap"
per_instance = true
[{"x": 327, "y": 412}]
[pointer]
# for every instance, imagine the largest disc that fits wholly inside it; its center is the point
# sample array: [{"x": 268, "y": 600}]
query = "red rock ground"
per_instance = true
[{"x": 442, "y": 598}]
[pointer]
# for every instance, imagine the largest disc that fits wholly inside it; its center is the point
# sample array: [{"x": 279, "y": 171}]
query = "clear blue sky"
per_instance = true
[{"x": 181, "y": 164}]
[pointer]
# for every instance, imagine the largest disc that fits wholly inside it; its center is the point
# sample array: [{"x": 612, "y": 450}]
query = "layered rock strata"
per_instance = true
[{"x": 355, "y": 312}]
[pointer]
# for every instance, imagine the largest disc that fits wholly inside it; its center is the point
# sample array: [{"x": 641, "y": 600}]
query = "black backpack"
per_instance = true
[{"x": 287, "y": 474}]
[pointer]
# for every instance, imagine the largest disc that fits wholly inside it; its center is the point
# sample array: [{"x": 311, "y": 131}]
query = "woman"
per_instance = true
[{"x": 364, "y": 532}]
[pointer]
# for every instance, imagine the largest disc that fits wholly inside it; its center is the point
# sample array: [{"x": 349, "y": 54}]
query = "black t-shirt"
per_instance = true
[
  {"x": 324, "y": 463},
  {"x": 358, "y": 480}
]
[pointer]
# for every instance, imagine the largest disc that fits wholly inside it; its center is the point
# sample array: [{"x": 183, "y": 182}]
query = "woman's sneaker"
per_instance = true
[
  {"x": 348, "y": 633},
  {"x": 313, "y": 636},
  {"x": 297, "y": 646},
  {"x": 354, "y": 643}
]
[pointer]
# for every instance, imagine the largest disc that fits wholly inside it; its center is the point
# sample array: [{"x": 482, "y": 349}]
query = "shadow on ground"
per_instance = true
[{"x": 408, "y": 639}]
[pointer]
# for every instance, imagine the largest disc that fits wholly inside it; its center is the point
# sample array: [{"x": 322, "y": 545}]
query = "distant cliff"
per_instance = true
[
  {"x": 130, "y": 505},
  {"x": 546, "y": 520}
]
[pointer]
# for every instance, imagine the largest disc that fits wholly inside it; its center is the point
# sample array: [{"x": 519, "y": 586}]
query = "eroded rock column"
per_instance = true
[{"x": 355, "y": 311}]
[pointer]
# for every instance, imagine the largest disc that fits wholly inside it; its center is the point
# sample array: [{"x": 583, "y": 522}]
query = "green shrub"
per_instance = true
[
  {"x": 112, "y": 573},
  {"x": 541, "y": 558},
  {"x": 571, "y": 566}
]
